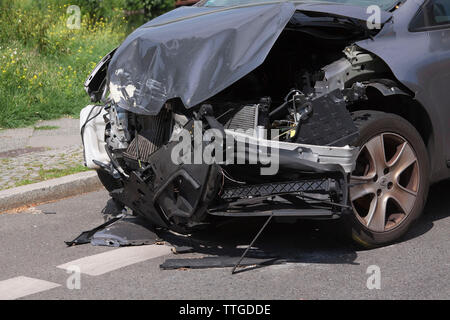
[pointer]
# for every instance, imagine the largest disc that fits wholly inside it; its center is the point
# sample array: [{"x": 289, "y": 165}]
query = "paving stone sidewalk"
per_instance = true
[{"x": 27, "y": 153}]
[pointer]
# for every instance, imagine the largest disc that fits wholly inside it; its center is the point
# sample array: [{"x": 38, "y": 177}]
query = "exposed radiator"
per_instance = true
[
  {"x": 151, "y": 138},
  {"x": 246, "y": 118}
]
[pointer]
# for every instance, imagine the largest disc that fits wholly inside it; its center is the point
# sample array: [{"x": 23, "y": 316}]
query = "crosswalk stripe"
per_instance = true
[
  {"x": 19, "y": 287},
  {"x": 115, "y": 259}
]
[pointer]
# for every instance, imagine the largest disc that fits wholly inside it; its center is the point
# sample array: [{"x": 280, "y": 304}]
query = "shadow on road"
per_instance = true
[
  {"x": 302, "y": 241},
  {"x": 299, "y": 242},
  {"x": 437, "y": 208}
]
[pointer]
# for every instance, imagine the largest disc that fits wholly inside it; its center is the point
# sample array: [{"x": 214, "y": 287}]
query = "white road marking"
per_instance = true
[
  {"x": 112, "y": 260},
  {"x": 19, "y": 287}
]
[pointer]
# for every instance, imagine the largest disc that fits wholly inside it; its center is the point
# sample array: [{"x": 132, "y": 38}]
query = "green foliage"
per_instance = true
[
  {"x": 43, "y": 63},
  {"x": 52, "y": 174},
  {"x": 46, "y": 128},
  {"x": 152, "y": 8}
]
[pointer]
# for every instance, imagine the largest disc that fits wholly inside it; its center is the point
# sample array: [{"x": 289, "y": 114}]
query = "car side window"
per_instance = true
[{"x": 435, "y": 14}]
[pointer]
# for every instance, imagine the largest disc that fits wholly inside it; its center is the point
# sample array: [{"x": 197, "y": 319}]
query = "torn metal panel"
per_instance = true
[
  {"x": 96, "y": 83},
  {"x": 310, "y": 158},
  {"x": 200, "y": 52}
]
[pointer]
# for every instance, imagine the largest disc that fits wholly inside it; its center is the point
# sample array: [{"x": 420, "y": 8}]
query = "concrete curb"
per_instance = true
[{"x": 49, "y": 190}]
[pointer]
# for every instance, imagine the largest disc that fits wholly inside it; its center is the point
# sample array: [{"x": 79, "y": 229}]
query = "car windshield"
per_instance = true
[{"x": 383, "y": 4}]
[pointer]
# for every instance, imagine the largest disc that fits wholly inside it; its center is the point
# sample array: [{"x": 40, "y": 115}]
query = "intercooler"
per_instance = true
[
  {"x": 155, "y": 132},
  {"x": 246, "y": 118}
]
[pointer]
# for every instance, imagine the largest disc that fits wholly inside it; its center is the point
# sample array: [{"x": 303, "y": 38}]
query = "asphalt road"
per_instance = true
[{"x": 320, "y": 266}]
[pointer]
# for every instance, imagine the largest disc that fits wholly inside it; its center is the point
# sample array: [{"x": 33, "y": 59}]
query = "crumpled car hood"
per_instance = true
[{"x": 193, "y": 53}]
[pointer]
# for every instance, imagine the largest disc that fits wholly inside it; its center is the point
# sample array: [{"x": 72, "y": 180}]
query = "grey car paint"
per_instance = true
[
  {"x": 194, "y": 53},
  {"x": 193, "y": 56},
  {"x": 421, "y": 62}
]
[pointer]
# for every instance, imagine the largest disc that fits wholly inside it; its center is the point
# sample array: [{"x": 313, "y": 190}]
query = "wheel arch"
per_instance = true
[{"x": 405, "y": 106}]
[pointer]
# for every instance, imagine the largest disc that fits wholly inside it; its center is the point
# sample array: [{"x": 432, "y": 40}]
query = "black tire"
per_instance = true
[{"x": 374, "y": 124}]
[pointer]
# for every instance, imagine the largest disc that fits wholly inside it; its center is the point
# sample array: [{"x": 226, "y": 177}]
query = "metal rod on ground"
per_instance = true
[{"x": 251, "y": 244}]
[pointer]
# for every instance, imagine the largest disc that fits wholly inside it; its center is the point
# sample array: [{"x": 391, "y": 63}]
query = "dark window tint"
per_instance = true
[{"x": 434, "y": 14}]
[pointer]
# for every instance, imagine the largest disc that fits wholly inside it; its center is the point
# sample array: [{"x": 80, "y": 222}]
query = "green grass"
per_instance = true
[
  {"x": 52, "y": 174},
  {"x": 46, "y": 128},
  {"x": 43, "y": 64}
]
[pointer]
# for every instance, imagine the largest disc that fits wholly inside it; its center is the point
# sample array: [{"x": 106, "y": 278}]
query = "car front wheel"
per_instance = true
[{"x": 389, "y": 185}]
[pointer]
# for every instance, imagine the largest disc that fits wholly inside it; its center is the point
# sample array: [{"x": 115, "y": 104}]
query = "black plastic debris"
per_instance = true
[
  {"x": 182, "y": 249},
  {"x": 216, "y": 262},
  {"x": 128, "y": 231},
  {"x": 86, "y": 236},
  {"x": 119, "y": 232}
]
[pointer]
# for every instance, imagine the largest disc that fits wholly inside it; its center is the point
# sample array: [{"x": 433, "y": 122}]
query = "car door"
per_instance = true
[{"x": 433, "y": 19}]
